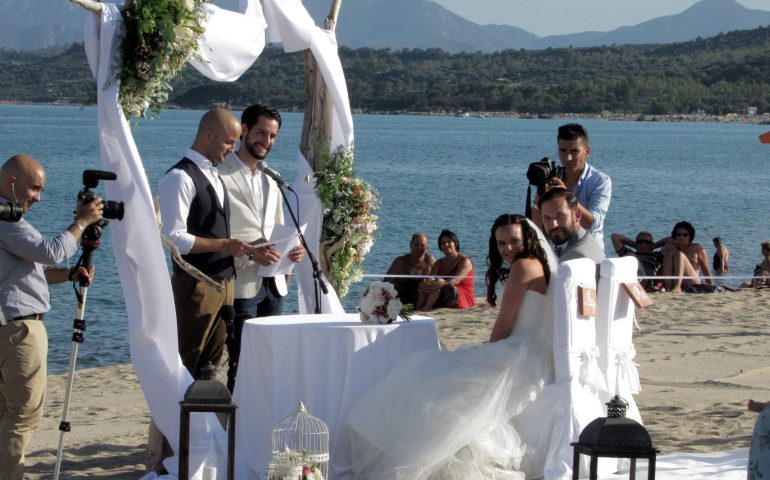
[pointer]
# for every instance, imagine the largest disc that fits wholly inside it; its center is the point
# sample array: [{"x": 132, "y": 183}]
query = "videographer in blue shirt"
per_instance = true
[{"x": 591, "y": 187}]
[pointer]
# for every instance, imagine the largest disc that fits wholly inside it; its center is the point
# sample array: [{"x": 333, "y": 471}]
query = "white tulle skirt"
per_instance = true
[{"x": 450, "y": 415}]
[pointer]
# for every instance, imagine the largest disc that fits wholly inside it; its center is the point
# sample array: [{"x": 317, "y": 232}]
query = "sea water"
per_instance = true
[{"x": 431, "y": 173}]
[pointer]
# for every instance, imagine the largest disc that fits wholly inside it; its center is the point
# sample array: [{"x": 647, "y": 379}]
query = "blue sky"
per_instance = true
[{"x": 553, "y": 17}]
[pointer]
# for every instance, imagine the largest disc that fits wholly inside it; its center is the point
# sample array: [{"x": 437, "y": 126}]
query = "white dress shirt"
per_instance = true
[
  {"x": 177, "y": 191},
  {"x": 257, "y": 182}
]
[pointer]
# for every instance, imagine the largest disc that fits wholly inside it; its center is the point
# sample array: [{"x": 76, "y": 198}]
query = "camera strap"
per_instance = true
[{"x": 528, "y": 207}]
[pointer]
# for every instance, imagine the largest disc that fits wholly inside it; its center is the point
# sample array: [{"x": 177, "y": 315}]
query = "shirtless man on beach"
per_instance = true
[
  {"x": 684, "y": 259},
  {"x": 417, "y": 262}
]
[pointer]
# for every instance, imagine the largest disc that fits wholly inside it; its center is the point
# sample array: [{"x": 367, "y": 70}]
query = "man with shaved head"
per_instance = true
[
  {"x": 417, "y": 262},
  {"x": 27, "y": 260},
  {"x": 195, "y": 211}
]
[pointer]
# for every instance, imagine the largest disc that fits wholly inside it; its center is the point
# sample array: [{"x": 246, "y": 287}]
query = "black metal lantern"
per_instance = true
[
  {"x": 207, "y": 395},
  {"x": 614, "y": 436}
]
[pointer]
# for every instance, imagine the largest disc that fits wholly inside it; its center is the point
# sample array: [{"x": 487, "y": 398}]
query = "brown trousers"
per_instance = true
[{"x": 201, "y": 331}]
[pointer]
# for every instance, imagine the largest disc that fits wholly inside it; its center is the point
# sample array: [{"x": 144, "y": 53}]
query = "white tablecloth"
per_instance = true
[{"x": 325, "y": 361}]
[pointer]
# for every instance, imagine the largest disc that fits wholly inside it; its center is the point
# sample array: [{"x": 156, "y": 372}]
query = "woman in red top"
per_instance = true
[{"x": 454, "y": 292}]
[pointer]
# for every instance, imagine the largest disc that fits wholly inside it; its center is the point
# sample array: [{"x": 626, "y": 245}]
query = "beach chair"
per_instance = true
[
  {"x": 614, "y": 331},
  {"x": 572, "y": 400}
]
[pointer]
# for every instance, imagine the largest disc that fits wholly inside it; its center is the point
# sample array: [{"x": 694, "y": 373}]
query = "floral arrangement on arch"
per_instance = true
[
  {"x": 348, "y": 228},
  {"x": 160, "y": 36},
  {"x": 380, "y": 304}
]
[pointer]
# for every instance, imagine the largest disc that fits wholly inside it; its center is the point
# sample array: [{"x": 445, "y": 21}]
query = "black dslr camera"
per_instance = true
[
  {"x": 10, "y": 212},
  {"x": 112, "y": 209},
  {"x": 542, "y": 171}
]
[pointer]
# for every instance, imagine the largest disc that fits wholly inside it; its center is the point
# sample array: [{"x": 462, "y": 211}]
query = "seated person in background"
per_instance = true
[
  {"x": 454, "y": 292},
  {"x": 682, "y": 258},
  {"x": 417, "y": 262},
  {"x": 761, "y": 270},
  {"x": 721, "y": 256},
  {"x": 643, "y": 248}
]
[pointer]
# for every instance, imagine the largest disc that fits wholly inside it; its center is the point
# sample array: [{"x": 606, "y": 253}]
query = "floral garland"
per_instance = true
[
  {"x": 348, "y": 226},
  {"x": 380, "y": 304},
  {"x": 160, "y": 36}
]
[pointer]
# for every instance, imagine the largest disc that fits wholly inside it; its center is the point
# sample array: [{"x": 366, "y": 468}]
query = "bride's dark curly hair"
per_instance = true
[{"x": 532, "y": 249}]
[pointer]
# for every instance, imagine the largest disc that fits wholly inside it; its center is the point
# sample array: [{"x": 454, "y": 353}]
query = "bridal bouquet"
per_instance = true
[{"x": 380, "y": 304}]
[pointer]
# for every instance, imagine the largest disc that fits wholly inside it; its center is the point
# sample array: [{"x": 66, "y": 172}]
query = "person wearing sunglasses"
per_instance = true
[
  {"x": 684, "y": 259},
  {"x": 645, "y": 250}
]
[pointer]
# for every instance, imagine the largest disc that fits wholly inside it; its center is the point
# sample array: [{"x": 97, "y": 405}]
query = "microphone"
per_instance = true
[{"x": 262, "y": 167}]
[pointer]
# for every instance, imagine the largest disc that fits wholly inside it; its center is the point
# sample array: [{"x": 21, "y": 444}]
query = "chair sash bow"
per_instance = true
[
  {"x": 626, "y": 374},
  {"x": 590, "y": 374}
]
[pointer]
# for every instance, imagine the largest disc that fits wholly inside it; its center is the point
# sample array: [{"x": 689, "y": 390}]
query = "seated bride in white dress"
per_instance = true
[{"x": 450, "y": 414}]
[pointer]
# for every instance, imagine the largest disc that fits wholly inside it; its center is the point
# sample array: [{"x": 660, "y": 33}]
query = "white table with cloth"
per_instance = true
[{"x": 325, "y": 361}]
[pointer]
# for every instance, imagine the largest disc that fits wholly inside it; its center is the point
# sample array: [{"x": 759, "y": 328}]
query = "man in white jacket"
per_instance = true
[{"x": 256, "y": 207}]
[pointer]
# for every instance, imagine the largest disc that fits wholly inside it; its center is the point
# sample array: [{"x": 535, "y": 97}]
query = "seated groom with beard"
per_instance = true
[{"x": 561, "y": 225}]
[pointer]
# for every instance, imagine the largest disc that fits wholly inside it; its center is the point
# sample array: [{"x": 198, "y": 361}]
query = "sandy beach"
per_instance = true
[{"x": 701, "y": 358}]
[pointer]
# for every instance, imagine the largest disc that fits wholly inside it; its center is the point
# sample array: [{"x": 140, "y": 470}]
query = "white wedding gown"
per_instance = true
[{"x": 450, "y": 415}]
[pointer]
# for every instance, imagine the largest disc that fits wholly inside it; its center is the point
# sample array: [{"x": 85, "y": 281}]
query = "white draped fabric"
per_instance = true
[{"x": 231, "y": 43}]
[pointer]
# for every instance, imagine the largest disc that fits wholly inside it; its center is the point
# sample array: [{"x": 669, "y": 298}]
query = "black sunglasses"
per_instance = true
[
  {"x": 681, "y": 234},
  {"x": 644, "y": 241}
]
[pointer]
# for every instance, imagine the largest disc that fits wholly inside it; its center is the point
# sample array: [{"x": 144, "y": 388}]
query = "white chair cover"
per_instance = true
[
  {"x": 572, "y": 400},
  {"x": 614, "y": 332}
]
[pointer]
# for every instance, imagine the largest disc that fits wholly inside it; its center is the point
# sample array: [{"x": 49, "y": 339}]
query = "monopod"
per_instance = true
[{"x": 90, "y": 242}]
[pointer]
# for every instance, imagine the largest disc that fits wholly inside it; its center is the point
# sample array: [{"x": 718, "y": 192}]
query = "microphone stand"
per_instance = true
[{"x": 318, "y": 281}]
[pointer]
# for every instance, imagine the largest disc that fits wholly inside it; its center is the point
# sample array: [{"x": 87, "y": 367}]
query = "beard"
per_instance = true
[
  {"x": 252, "y": 149},
  {"x": 560, "y": 235}
]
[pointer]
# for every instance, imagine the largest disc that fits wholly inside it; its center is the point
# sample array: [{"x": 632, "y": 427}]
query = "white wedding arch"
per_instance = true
[{"x": 231, "y": 43}]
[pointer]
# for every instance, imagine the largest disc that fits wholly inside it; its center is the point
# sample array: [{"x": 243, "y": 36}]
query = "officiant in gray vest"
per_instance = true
[{"x": 195, "y": 212}]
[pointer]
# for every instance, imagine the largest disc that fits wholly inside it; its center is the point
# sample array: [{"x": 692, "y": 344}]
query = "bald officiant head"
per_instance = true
[{"x": 218, "y": 132}]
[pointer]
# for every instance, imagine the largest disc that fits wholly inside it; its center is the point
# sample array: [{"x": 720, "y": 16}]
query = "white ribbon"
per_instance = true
[
  {"x": 627, "y": 371},
  {"x": 590, "y": 373}
]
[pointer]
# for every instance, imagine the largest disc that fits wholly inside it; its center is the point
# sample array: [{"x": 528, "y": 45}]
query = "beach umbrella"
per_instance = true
[{"x": 765, "y": 137}]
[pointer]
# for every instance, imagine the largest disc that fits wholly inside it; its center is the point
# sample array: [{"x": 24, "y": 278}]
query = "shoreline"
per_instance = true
[
  {"x": 702, "y": 357},
  {"x": 763, "y": 119}
]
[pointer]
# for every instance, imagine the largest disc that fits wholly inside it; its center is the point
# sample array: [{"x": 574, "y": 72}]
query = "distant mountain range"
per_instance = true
[{"x": 399, "y": 24}]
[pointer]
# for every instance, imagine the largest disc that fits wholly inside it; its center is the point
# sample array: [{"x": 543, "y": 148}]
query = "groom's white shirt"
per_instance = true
[{"x": 248, "y": 222}]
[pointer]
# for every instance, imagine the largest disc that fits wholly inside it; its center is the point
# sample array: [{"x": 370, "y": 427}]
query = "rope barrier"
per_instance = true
[{"x": 731, "y": 277}]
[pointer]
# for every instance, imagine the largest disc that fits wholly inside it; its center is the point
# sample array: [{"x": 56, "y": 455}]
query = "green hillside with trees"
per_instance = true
[{"x": 723, "y": 74}]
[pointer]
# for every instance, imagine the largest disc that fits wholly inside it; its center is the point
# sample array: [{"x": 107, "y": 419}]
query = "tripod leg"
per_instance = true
[{"x": 78, "y": 327}]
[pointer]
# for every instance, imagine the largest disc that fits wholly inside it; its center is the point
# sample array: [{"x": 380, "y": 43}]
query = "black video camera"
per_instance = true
[
  {"x": 112, "y": 209},
  {"x": 10, "y": 212},
  {"x": 542, "y": 171}
]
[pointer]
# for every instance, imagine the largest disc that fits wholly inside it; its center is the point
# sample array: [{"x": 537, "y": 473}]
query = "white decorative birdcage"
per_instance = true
[
  {"x": 300, "y": 440},
  {"x": 284, "y": 464}
]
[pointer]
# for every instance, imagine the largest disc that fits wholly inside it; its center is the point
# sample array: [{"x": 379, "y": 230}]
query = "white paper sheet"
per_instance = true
[{"x": 283, "y": 239}]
